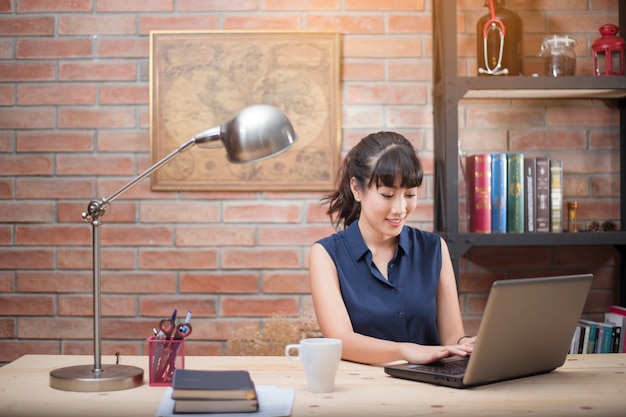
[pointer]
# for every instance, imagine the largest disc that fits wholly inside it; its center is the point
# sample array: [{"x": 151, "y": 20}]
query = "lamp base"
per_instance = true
[{"x": 83, "y": 378}]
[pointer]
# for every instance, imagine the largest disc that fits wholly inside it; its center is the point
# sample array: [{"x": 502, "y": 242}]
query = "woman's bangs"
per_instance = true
[{"x": 394, "y": 163}]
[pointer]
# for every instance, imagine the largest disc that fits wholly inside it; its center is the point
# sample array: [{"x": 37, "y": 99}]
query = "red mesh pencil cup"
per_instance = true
[{"x": 164, "y": 356}]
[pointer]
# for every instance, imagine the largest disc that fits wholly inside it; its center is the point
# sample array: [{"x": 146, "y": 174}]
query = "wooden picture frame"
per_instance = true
[{"x": 200, "y": 79}]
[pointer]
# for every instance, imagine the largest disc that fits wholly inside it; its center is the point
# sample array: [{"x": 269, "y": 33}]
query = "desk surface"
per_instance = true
[{"x": 589, "y": 385}]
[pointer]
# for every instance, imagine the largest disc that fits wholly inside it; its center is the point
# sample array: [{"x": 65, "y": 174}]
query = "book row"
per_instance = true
[
  {"x": 601, "y": 337},
  {"x": 508, "y": 193}
]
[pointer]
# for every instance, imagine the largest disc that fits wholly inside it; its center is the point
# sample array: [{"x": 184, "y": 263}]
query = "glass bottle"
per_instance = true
[
  {"x": 499, "y": 40},
  {"x": 559, "y": 57}
]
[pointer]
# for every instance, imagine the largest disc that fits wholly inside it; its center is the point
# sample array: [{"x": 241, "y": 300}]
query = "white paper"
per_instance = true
[{"x": 273, "y": 402}]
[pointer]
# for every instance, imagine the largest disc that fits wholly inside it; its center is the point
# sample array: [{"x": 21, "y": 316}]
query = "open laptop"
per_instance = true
[{"x": 526, "y": 329}]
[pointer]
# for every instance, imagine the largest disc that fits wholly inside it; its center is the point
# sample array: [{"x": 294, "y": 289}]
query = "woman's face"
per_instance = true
[{"x": 385, "y": 209}]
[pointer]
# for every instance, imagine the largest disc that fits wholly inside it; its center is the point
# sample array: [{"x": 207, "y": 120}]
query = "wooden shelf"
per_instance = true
[{"x": 540, "y": 87}]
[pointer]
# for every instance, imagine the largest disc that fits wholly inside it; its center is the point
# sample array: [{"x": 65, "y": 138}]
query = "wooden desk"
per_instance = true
[{"x": 587, "y": 385}]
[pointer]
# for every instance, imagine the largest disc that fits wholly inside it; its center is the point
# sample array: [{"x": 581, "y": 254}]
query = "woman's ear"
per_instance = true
[{"x": 356, "y": 192}]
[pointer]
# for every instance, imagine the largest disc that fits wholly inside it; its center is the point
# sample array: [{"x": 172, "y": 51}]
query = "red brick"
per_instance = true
[
  {"x": 178, "y": 22},
  {"x": 215, "y": 236},
  {"x": 178, "y": 212},
  {"x": 6, "y": 235},
  {"x": 98, "y": 71},
  {"x": 183, "y": 259},
  {"x": 260, "y": 258},
  {"x": 26, "y": 305},
  {"x": 216, "y": 5},
  {"x": 409, "y": 23},
  {"x": 260, "y": 22},
  {"x": 297, "y": 235},
  {"x": 44, "y": 235},
  {"x": 122, "y": 47},
  {"x": 94, "y": 165},
  {"x": 82, "y": 305},
  {"x": 143, "y": 6},
  {"x": 52, "y": 141},
  {"x": 381, "y": 47},
  {"x": 262, "y": 212},
  {"x": 7, "y": 95},
  {"x": 53, "y": 48},
  {"x": 592, "y": 116},
  {"x": 139, "y": 282},
  {"x": 26, "y": 212},
  {"x": 363, "y": 70},
  {"x": 410, "y": 70},
  {"x": 219, "y": 283},
  {"x": 56, "y": 94},
  {"x": 27, "y": 26},
  {"x": 27, "y": 118},
  {"x": 161, "y": 306},
  {"x": 301, "y": 5},
  {"x": 385, "y": 93},
  {"x": 27, "y": 71},
  {"x": 547, "y": 139},
  {"x": 54, "y": 282},
  {"x": 96, "y": 25},
  {"x": 42, "y": 188},
  {"x": 286, "y": 283},
  {"x": 384, "y": 5},
  {"x": 345, "y": 24},
  {"x": 124, "y": 94},
  {"x": 573, "y": 23},
  {"x": 6, "y": 282},
  {"x": 26, "y": 258},
  {"x": 120, "y": 140},
  {"x": 42, "y": 6},
  {"x": 258, "y": 306},
  {"x": 87, "y": 118}
]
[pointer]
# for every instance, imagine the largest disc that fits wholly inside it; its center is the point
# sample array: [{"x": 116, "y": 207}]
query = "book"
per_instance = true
[
  {"x": 190, "y": 384},
  {"x": 619, "y": 323},
  {"x": 515, "y": 193},
  {"x": 589, "y": 338},
  {"x": 542, "y": 192},
  {"x": 498, "y": 193},
  {"x": 556, "y": 196},
  {"x": 530, "y": 199},
  {"x": 618, "y": 310},
  {"x": 216, "y": 406},
  {"x": 479, "y": 192}
]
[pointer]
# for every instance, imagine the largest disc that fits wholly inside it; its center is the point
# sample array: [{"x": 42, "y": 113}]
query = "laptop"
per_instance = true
[{"x": 526, "y": 329}]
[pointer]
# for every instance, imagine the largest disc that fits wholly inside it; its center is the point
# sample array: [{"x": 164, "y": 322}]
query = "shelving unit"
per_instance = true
[{"x": 449, "y": 89}]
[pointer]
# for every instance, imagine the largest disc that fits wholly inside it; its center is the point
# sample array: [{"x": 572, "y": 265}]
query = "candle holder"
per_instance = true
[{"x": 608, "y": 52}]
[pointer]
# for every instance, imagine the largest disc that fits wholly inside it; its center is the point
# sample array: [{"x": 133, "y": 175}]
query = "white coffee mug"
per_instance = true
[{"x": 320, "y": 357}]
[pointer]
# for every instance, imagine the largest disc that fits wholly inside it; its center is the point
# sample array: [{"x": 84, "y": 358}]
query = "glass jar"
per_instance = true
[{"x": 559, "y": 57}]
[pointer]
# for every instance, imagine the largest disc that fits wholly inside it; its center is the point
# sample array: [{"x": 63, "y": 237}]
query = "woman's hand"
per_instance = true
[{"x": 420, "y": 354}]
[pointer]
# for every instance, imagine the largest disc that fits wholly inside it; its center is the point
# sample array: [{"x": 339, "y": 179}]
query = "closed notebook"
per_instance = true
[
  {"x": 212, "y": 385},
  {"x": 216, "y": 406}
]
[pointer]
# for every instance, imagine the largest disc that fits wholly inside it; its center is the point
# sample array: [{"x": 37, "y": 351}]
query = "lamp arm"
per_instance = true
[{"x": 96, "y": 208}]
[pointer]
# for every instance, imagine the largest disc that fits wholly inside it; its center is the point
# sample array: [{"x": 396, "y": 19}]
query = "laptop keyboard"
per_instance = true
[{"x": 446, "y": 368}]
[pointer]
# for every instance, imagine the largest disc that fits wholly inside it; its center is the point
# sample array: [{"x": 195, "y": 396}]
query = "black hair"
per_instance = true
[{"x": 379, "y": 158}]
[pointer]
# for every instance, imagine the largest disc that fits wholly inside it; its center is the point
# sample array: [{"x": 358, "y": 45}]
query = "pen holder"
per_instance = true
[{"x": 164, "y": 357}]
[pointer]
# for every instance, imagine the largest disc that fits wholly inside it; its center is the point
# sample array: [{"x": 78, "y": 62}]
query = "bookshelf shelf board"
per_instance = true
[
  {"x": 585, "y": 87},
  {"x": 617, "y": 238}
]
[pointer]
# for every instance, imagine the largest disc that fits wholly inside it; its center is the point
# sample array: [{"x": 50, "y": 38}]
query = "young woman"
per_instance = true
[{"x": 385, "y": 289}]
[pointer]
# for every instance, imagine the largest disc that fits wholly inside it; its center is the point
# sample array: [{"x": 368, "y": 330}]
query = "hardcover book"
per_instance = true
[
  {"x": 556, "y": 196},
  {"x": 190, "y": 384},
  {"x": 479, "y": 192},
  {"x": 515, "y": 195},
  {"x": 530, "y": 198},
  {"x": 542, "y": 192},
  {"x": 216, "y": 406},
  {"x": 498, "y": 193}
]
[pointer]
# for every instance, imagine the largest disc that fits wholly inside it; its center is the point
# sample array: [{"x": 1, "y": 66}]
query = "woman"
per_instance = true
[{"x": 385, "y": 289}]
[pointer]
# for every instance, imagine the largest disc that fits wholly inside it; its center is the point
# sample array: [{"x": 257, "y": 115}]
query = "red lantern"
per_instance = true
[{"x": 608, "y": 52}]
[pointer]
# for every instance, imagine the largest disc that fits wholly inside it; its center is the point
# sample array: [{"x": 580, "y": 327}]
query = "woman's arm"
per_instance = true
[
  {"x": 334, "y": 321},
  {"x": 449, "y": 321}
]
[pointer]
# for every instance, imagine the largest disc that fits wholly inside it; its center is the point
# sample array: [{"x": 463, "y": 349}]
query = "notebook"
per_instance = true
[{"x": 526, "y": 329}]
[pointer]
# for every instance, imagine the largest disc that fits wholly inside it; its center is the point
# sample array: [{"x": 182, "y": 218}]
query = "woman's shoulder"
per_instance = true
[{"x": 419, "y": 234}]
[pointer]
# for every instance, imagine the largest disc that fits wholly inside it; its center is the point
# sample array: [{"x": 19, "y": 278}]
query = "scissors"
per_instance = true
[{"x": 169, "y": 327}]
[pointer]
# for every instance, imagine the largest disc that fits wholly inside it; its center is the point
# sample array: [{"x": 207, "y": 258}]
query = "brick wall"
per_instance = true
[{"x": 74, "y": 126}]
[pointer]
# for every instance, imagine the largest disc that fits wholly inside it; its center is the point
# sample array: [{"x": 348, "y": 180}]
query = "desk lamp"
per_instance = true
[{"x": 255, "y": 133}]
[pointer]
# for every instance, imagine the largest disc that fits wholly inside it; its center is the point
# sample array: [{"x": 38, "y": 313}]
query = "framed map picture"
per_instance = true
[{"x": 201, "y": 79}]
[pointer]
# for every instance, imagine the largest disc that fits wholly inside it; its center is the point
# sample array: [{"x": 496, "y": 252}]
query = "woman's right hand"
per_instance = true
[{"x": 421, "y": 354}]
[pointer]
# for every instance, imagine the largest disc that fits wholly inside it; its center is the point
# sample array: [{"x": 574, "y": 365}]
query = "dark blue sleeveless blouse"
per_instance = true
[{"x": 403, "y": 308}]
